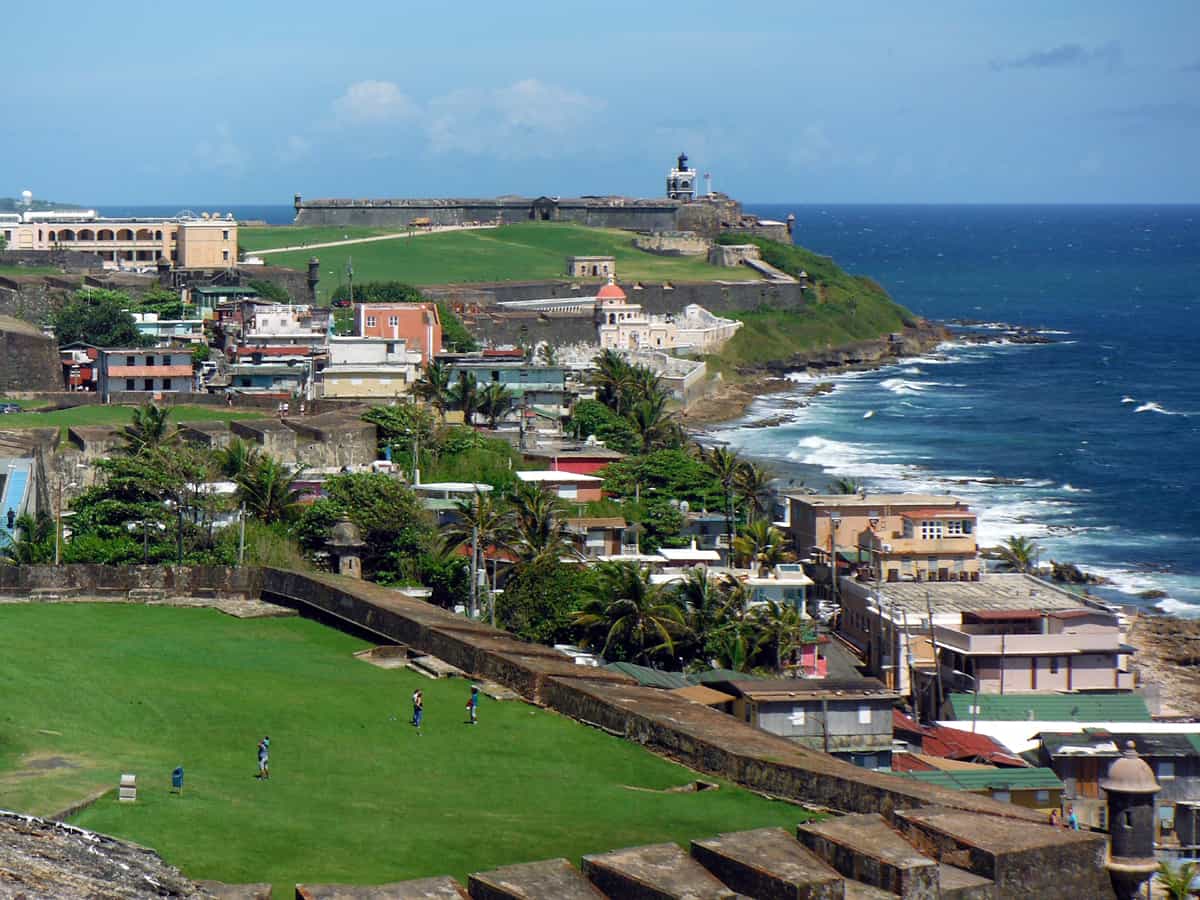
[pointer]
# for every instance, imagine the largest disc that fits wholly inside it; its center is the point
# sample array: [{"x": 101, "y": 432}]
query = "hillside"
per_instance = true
[
  {"x": 526, "y": 252},
  {"x": 15, "y": 204}
]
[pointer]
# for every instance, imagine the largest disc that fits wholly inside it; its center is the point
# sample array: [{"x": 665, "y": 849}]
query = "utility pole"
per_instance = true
[
  {"x": 242, "y": 535},
  {"x": 474, "y": 570},
  {"x": 937, "y": 660}
]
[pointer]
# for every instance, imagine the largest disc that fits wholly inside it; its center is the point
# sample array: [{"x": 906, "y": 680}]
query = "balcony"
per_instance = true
[{"x": 1106, "y": 641}]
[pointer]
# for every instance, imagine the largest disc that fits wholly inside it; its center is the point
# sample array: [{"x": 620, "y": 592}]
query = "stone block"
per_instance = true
[
  {"x": 221, "y": 891},
  {"x": 440, "y": 888},
  {"x": 653, "y": 872},
  {"x": 769, "y": 864},
  {"x": 127, "y": 792},
  {"x": 957, "y": 884},
  {"x": 1026, "y": 861},
  {"x": 552, "y": 879},
  {"x": 856, "y": 890},
  {"x": 865, "y": 848}
]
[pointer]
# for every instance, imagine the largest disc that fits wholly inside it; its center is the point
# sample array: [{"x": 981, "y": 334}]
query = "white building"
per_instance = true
[
  {"x": 278, "y": 324},
  {"x": 621, "y": 325},
  {"x": 369, "y": 367}
]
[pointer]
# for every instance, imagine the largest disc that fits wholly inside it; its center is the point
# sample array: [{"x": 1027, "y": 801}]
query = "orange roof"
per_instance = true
[{"x": 610, "y": 291}]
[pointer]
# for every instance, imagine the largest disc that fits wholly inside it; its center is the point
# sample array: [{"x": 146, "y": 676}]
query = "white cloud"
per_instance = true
[
  {"x": 373, "y": 102},
  {"x": 526, "y": 119},
  {"x": 221, "y": 152}
]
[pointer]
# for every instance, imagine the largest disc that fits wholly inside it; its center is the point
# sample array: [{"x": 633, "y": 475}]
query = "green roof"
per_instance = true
[
  {"x": 990, "y": 779},
  {"x": 1050, "y": 707},
  {"x": 222, "y": 290},
  {"x": 648, "y": 677},
  {"x": 712, "y": 675}
]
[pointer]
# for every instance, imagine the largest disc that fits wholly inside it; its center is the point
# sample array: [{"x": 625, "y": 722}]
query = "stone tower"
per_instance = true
[
  {"x": 345, "y": 548},
  {"x": 681, "y": 181},
  {"x": 1130, "y": 787}
]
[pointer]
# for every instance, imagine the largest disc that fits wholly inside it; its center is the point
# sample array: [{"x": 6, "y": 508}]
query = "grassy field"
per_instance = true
[
  {"x": 355, "y": 794},
  {"x": 511, "y": 253},
  {"x": 115, "y": 415},
  {"x": 270, "y": 236},
  {"x": 30, "y": 270}
]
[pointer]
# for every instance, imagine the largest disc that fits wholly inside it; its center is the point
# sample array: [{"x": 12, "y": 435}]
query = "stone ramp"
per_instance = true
[
  {"x": 769, "y": 864},
  {"x": 865, "y": 848},
  {"x": 654, "y": 872},
  {"x": 552, "y": 879},
  {"x": 221, "y": 891},
  {"x": 441, "y": 888},
  {"x": 769, "y": 271},
  {"x": 1015, "y": 859},
  {"x": 958, "y": 884}
]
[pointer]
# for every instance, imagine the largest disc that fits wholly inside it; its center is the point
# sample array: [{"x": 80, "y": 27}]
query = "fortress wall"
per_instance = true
[
  {"x": 28, "y": 362},
  {"x": 88, "y": 579}
]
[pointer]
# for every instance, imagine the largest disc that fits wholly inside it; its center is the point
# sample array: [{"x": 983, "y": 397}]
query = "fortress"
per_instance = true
[{"x": 681, "y": 210}]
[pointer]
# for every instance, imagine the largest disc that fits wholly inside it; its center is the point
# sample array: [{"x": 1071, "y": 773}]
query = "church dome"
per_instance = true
[
  {"x": 1130, "y": 775},
  {"x": 610, "y": 291}
]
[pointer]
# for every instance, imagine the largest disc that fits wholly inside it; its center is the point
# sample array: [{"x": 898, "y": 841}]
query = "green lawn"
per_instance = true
[
  {"x": 115, "y": 415},
  {"x": 91, "y": 691},
  {"x": 30, "y": 270},
  {"x": 534, "y": 251},
  {"x": 269, "y": 236}
]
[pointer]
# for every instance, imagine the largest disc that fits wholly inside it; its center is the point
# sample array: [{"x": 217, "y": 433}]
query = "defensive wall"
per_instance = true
[
  {"x": 28, "y": 358},
  {"x": 94, "y": 581},
  {"x": 1026, "y": 858},
  {"x": 71, "y": 260}
]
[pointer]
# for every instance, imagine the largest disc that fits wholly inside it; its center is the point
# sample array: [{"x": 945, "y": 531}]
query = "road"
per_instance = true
[{"x": 370, "y": 240}]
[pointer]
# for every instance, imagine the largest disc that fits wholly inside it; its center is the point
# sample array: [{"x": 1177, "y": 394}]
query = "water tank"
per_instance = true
[{"x": 27, "y": 197}]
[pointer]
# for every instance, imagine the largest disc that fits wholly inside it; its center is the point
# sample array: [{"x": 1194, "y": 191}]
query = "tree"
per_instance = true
[
  {"x": 547, "y": 354},
  {"x": 613, "y": 379},
  {"x": 438, "y": 566},
  {"x": 1019, "y": 553},
  {"x": 379, "y": 292},
  {"x": 655, "y": 430},
  {"x": 760, "y": 545},
  {"x": 591, "y": 417},
  {"x": 846, "y": 486},
  {"x": 753, "y": 486},
  {"x": 538, "y": 523},
  {"x": 32, "y": 542},
  {"x": 465, "y": 395},
  {"x": 150, "y": 428},
  {"x": 200, "y": 353},
  {"x": 237, "y": 459},
  {"x": 434, "y": 386},
  {"x": 399, "y": 427},
  {"x": 540, "y": 598},
  {"x": 483, "y": 525},
  {"x": 725, "y": 466},
  {"x": 1177, "y": 881},
  {"x": 269, "y": 290},
  {"x": 706, "y": 608},
  {"x": 494, "y": 402},
  {"x": 97, "y": 317},
  {"x": 779, "y": 630},
  {"x": 163, "y": 302},
  {"x": 629, "y": 617},
  {"x": 267, "y": 492}
]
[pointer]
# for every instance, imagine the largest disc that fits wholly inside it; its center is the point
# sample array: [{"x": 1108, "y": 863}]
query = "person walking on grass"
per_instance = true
[
  {"x": 473, "y": 704},
  {"x": 418, "y": 709},
  {"x": 264, "y": 754}
]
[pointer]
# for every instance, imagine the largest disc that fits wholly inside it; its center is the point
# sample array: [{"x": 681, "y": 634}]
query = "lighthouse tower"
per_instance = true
[{"x": 681, "y": 181}]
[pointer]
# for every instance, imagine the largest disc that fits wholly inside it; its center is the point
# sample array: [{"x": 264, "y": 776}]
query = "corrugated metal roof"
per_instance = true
[
  {"x": 1040, "y": 779},
  {"x": 713, "y": 675},
  {"x": 648, "y": 677},
  {"x": 1050, "y": 707}
]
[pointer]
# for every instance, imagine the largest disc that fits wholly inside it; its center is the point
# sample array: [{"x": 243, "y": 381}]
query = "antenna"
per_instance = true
[{"x": 708, "y": 183}]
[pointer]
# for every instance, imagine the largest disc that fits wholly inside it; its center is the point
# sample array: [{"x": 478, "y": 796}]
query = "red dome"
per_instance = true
[{"x": 610, "y": 292}]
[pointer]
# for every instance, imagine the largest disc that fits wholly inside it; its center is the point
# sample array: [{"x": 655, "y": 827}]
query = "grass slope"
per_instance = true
[
  {"x": 355, "y": 795},
  {"x": 115, "y": 415},
  {"x": 534, "y": 251},
  {"x": 842, "y": 309},
  {"x": 267, "y": 237}
]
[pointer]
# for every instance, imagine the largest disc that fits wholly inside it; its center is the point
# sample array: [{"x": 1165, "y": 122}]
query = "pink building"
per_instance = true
[{"x": 417, "y": 324}]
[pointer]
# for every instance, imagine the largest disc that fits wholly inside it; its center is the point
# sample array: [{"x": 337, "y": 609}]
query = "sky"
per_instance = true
[{"x": 926, "y": 101}]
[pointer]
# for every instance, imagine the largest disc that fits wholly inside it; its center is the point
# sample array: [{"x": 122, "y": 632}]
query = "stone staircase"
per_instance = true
[{"x": 933, "y": 853}]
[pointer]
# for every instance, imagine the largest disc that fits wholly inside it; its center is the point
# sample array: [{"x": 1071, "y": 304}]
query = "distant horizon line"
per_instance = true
[{"x": 798, "y": 203}]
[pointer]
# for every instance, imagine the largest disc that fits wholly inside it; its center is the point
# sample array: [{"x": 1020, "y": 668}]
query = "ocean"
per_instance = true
[{"x": 1089, "y": 445}]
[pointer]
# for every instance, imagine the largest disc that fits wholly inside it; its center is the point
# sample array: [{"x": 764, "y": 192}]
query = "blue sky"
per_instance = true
[{"x": 937, "y": 102}]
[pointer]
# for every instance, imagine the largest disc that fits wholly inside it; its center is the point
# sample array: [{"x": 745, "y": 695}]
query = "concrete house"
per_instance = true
[
  {"x": 146, "y": 372},
  {"x": 418, "y": 325},
  {"x": 601, "y": 536},
  {"x": 365, "y": 368},
  {"x": 567, "y": 485},
  {"x": 850, "y": 719}
]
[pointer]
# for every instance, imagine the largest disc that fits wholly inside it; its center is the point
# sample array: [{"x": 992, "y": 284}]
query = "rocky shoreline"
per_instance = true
[{"x": 1168, "y": 658}]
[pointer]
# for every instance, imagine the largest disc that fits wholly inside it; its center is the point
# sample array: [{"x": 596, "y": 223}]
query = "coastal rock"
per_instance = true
[
  {"x": 1153, "y": 594},
  {"x": 1069, "y": 573}
]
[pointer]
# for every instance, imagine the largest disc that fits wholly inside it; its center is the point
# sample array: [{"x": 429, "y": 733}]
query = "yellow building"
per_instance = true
[{"x": 187, "y": 242}]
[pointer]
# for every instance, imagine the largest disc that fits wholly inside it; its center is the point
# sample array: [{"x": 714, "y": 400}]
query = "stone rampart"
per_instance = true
[
  {"x": 93, "y": 580},
  {"x": 697, "y": 736},
  {"x": 71, "y": 260},
  {"x": 672, "y": 243},
  {"x": 28, "y": 359}
]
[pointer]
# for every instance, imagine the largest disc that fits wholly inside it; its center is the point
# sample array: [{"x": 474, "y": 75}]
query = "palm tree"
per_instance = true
[
  {"x": 494, "y": 402},
  {"x": 780, "y": 629},
  {"x": 650, "y": 422},
  {"x": 266, "y": 490},
  {"x": 706, "y": 606},
  {"x": 613, "y": 379},
  {"x": 1177, "y": 880},
  {"x": 31, "y": 543},
  {"x": 636, "y": 618},
  {"x": 753, "y": 487},
  {"x": 483, "y": 524},
  {"x": 725, "y": 464},
  {"x": 434, "y": 386},
  {"x": 1020, "y": 553},
  {"x": 760, "y": 545},
  {"x": 539, "y": 525},
  {"x": 548, "y": 354},
  {"x": 846, "y": 486},
  {"x": 237, "y": 458},
  {"x": 465, "y": 394},
  {"x": 150, "y": 427},
  {"x": 644, "y": 384}
]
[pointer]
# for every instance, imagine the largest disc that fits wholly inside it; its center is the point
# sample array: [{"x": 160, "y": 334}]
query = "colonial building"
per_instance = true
[
  {"x": 621, "y": 325},
  {"x": 187, "y": 242},
  {"x": 591, "y": 266}
]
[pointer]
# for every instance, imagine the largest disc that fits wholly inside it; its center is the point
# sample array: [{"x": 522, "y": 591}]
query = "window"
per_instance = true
[
  {"x": 393, "y": 321},
  {"x": 148, "y": 384},
  {"x": 245, "y": 382},
  {"x": 166, "y": 384},
  {"x": 1165, "y": 769},
  {"x": 568, "y": 491},
  {"x": 1042, "y": 797},
  {"x": 1002, "y": 796},
  {"x": 370, "y": 321},
  {"x": 1054, "y": 665},
  {"x": 954, "y": 527},
  {"x": 225, "y": 255},
  {"x": 864, "y": 715},
  {"x": 931, "y": 530},
  {"x": 149, "y": 360},
  {"x": 129, "y": 361},
  {"x": 797, "y": 716},
  {"x": 225, "y": 234},
  {"x": 129, "y": 384}
]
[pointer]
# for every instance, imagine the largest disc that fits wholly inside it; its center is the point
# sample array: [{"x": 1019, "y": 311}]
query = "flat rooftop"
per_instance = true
[
  {"x": 993, "y": 591},
  {"x": 871, "y": 501}
]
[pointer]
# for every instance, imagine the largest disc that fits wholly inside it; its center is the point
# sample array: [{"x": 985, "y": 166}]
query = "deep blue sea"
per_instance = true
[{"x": 1101, "y": 428}]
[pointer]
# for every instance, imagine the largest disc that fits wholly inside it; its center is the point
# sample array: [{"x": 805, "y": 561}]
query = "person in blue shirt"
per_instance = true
[
  {"x": 1072, "y": 819},
  {"x": 473, "y": 704}
]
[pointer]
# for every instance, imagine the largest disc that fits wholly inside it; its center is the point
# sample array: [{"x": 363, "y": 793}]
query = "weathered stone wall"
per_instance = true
[
  {"x": 88, "y": 580},
  {"x": 730, "y": 255},
  {"x": 28, "y": 361},
  {"x": 672, "y": 243},
  {"x": 72, "y": 260}
]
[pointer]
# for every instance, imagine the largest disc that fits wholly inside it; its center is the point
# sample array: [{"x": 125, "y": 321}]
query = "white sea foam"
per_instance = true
[
  {"x": 1051, "y": 331},
  {"x": 1154, "y": 407},
  {"x": 1173, "y": 607},
  {"x": 1128, "y": 399},
  {"x": 1071, "y": 489},
  {"x": 907, "y": 387}
]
